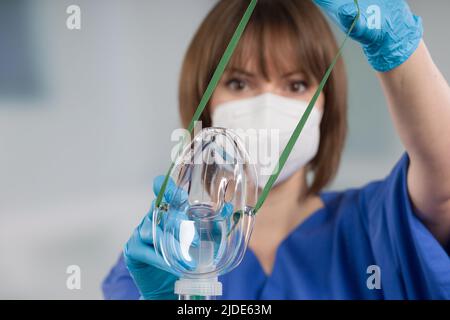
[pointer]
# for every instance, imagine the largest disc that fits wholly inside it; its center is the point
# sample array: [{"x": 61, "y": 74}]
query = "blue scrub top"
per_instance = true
[{"x": 328, "y": 255}]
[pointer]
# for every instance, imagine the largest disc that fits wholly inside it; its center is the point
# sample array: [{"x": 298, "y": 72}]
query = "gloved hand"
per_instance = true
[
  {"x": 153, "y": 277},
  {"x": 386, "y": 45},
  {"x": 151, "y": 274}
]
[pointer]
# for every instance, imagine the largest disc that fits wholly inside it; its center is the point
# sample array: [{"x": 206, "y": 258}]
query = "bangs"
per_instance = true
[{"x": 275, "y": 40}]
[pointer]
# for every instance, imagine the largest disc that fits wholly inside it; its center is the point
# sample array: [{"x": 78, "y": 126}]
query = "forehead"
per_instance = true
[{"x": 272, "y": 50}]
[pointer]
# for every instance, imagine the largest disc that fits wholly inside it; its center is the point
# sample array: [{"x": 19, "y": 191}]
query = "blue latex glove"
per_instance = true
[
  {"x": 386, "y": 47},
  {"x": 151, "y": 274}
]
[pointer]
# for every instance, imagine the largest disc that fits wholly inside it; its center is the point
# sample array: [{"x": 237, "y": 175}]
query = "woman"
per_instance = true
[{"x": 309, "y": 244}]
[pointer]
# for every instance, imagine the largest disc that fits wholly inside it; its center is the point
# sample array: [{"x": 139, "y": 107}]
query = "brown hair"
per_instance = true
[{"x": 276, "y": 28}]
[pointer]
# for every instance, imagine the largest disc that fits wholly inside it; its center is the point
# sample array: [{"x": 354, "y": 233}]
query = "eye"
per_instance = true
[
  {"x": 298, "y": 86},
  {"x": 236, "y": 84}
]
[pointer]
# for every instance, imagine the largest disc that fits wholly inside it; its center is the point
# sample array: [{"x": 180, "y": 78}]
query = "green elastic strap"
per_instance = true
[{"x": 215, "y": 80}]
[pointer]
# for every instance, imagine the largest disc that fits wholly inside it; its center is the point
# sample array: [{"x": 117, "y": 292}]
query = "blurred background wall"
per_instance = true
[{"x": 85, "y": 124}]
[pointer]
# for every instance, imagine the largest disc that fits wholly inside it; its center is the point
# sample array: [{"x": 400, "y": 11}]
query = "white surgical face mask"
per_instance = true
[{"x": 265, "y": 124}]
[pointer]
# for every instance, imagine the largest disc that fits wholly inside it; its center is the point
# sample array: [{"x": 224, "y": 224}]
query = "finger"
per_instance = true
[
  {"x": 172, "y": 194},
  {"x": 180, "y": 236},
  {"x": 182, "y": 227},
  {"x": 140, "y": 254},
  {"x": 169, "y": 221},
  {"x": 347, "y": 14},
  {"x": 157, "y": 184},
  {"x": 227, "y": 210},
  {"x": 146, "y": 227},
  {"x": 179, "y": 233}
]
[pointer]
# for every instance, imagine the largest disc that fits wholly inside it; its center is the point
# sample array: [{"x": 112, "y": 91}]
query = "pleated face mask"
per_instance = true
[{"x": 265, "y": 123}]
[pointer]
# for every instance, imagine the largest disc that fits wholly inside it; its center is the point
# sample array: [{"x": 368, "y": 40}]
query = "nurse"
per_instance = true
[{"x": 307, "y": 243}]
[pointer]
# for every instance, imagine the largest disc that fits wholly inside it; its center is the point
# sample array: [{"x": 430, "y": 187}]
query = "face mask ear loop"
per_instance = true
[
  {"x": 290, "y": 145},
  {"x": 211, "y": 86}
]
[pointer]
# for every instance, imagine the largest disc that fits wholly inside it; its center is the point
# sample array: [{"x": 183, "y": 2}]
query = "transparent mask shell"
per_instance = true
[{"x": 204, "y": 229}]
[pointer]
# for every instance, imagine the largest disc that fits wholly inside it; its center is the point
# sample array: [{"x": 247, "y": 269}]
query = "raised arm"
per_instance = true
[
  {"x": 418, "y": 97},
  {"x": 419, "y": 101}
]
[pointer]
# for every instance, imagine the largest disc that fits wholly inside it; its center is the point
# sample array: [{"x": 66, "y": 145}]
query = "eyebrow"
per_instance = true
[
  {"x": 251, "y": 75},
  {"x": 241, "y": 71},
  {"x": 291, "y": 73}
]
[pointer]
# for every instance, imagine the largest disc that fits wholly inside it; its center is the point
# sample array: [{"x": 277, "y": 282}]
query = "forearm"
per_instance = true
[{"x": 419, "y": 101}]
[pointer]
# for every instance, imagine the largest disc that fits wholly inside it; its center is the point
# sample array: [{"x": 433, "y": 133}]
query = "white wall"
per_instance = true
[{"x": 77, "y": 161}]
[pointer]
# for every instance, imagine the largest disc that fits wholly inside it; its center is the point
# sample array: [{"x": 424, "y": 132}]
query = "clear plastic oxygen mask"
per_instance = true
[{"x": 203, "y": 232}]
